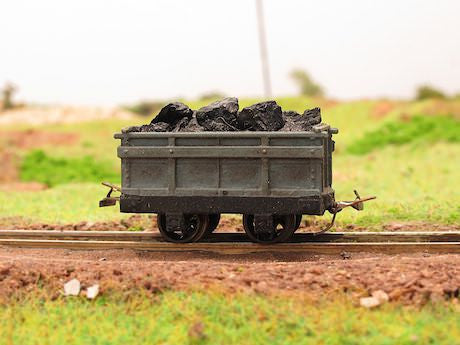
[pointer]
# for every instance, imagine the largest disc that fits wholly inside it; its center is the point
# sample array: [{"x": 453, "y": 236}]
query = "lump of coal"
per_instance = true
[
  {"x": 219, "y": 116},
  {"x": 290, "y": 114},
  {"x": 156, "y": 127},
  {"x": 182, "y": 123},
  {"x": 192, "y": 126},
  {"x": 290, "y": 124},
  {"x": 171, "y": 118},
  {"x": 172, "y": 113},
  {"x": 264, "y": 116},
  {"x": 312, "y": 117},
  {"x": 295, "y": 122}
]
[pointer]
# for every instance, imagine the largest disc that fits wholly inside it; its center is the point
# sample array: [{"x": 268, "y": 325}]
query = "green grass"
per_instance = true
[
  {"x": 411, "y": 184},
  {"x": 214, "y": 318},
  {"x": 66, "y": 203},
  {"x": 421, "y": 129},
  {"x": 414, "y": 181},
  {"x": 39, "y": 167}
]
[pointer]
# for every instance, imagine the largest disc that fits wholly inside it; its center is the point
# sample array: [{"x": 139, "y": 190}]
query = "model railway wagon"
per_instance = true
[{"x": 190, "y": 179}]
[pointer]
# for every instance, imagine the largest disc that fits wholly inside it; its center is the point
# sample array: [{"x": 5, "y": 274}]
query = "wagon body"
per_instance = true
[{"x": 227, "y": 172}]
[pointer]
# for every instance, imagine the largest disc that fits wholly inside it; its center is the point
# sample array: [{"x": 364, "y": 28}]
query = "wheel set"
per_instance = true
[{"x": 266, "y": 229}]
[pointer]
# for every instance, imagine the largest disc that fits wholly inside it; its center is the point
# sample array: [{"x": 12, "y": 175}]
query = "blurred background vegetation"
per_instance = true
[{"x": 404, "y": 151}]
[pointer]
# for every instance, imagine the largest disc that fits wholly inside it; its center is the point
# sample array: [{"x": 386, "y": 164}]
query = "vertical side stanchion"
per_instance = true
[
  {"x": 265, "y": 168},
  {"x": 172, "y": 167}
]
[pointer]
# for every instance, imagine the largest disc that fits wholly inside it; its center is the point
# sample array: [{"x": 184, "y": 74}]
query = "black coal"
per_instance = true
[
  {"x": 219, "y": 116},
  {"x": 296, "y": 122},
  {"x": 264, "y": 116},
  {"x": 223, "y": 115}
]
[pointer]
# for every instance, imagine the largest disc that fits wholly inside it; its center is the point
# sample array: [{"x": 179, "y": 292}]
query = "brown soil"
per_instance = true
[
  {"x": 9, "y": 163},
  {"x": 420, "y": 226},
  {"x": 414, "y": 279},
  {"x": 442, "y": 107},
  {"x": 135, "y": 222},
  {"x": 381, "y": 109},
  {"x": 33, "y": 138},
  {"x": 37, "y": 115},
  {"x": 22, "y": 187},
  {"x": 227, "y": 224}
]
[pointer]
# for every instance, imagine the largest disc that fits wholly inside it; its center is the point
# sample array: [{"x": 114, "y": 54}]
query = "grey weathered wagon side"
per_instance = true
[
  {"x": 228, "y": 172},
  {"x": 270, "y": 177}
]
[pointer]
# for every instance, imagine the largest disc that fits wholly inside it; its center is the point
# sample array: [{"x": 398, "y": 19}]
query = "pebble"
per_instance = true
[
  {"x": 72, "y": 287},
  {"x": 92, "y": 291},
  {"x": 369, "y": 302}
]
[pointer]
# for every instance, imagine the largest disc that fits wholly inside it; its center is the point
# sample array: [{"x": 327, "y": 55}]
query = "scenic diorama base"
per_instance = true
[{"x": 203, "y": 291}]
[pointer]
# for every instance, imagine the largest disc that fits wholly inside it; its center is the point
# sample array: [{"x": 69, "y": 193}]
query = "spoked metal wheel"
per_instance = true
[
  {"x": 191, "y": 229},
  {"x": 214, "y": 220},
  {"x": 280, "y": 228}
]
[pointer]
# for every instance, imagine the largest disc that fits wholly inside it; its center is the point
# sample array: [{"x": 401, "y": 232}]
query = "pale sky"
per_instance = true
[{"x": 95, "y": 52}]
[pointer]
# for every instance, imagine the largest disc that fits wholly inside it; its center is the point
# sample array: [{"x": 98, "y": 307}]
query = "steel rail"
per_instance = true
[
  {"x": 236, "y": 243},
  {"x": 245, "y": 247},
  {"x": 422, "y": 236}
]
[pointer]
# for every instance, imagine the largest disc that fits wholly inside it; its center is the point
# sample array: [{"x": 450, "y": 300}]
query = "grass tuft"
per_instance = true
[
  {"x": 399, "y": 132},
  {"x": 37, "y": 166},
  {"x": 216, "y": 318}
]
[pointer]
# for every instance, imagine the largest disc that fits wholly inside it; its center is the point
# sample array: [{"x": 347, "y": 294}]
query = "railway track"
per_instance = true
[{"x": 237, "y": 243}]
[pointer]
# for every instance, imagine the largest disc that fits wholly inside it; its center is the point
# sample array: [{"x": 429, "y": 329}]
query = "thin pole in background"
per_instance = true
[{"x": 263, "y": 49}]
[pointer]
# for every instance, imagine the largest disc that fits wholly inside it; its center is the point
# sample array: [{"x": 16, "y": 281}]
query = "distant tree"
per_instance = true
[
  {"x": 427, "y": 91},
  {"x": 211, "y": 95},
  {"x": 7, "y": 96},
  {"x": 145, "y": 108},
  {"x": 308, "y": 87}
]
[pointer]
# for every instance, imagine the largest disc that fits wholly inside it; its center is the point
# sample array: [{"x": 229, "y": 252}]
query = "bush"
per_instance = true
[
  {"x": 427, "y": 128},
  {"x": 427, "y": 92},
  {"x": 145, "y": 108},
  {"x": 212, "y": 95},
  {"x": 39, "y": 167},
  {"x": 307, "y": 86}
]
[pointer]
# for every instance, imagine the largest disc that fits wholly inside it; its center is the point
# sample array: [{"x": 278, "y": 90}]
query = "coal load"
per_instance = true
[
  {"x": 295, "y": 122},
  {"x": 223, "y": 116},
  {"x": 264, "y": 116},
  {"x": 155, "y": 127},
  {"x": 192, "y": 126},
  {"x": 219, "y": 116},
  {"x": 173, "y": 113},
  {"x": 171, "y": 118}
]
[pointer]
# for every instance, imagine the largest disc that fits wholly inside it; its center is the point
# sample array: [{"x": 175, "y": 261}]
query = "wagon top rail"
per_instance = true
[{"x": 318, "y": 131}]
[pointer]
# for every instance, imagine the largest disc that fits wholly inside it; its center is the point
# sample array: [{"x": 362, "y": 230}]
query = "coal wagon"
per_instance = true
[{"x": 190, "y": 179}]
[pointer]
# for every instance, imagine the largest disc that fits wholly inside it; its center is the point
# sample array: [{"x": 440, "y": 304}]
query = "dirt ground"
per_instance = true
[
  {"x": 227, "y": 224},
  {"x": 407, "y": 279},
  {"x": 38, "y": 115},
  {"x": 33, "y": 138}
]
